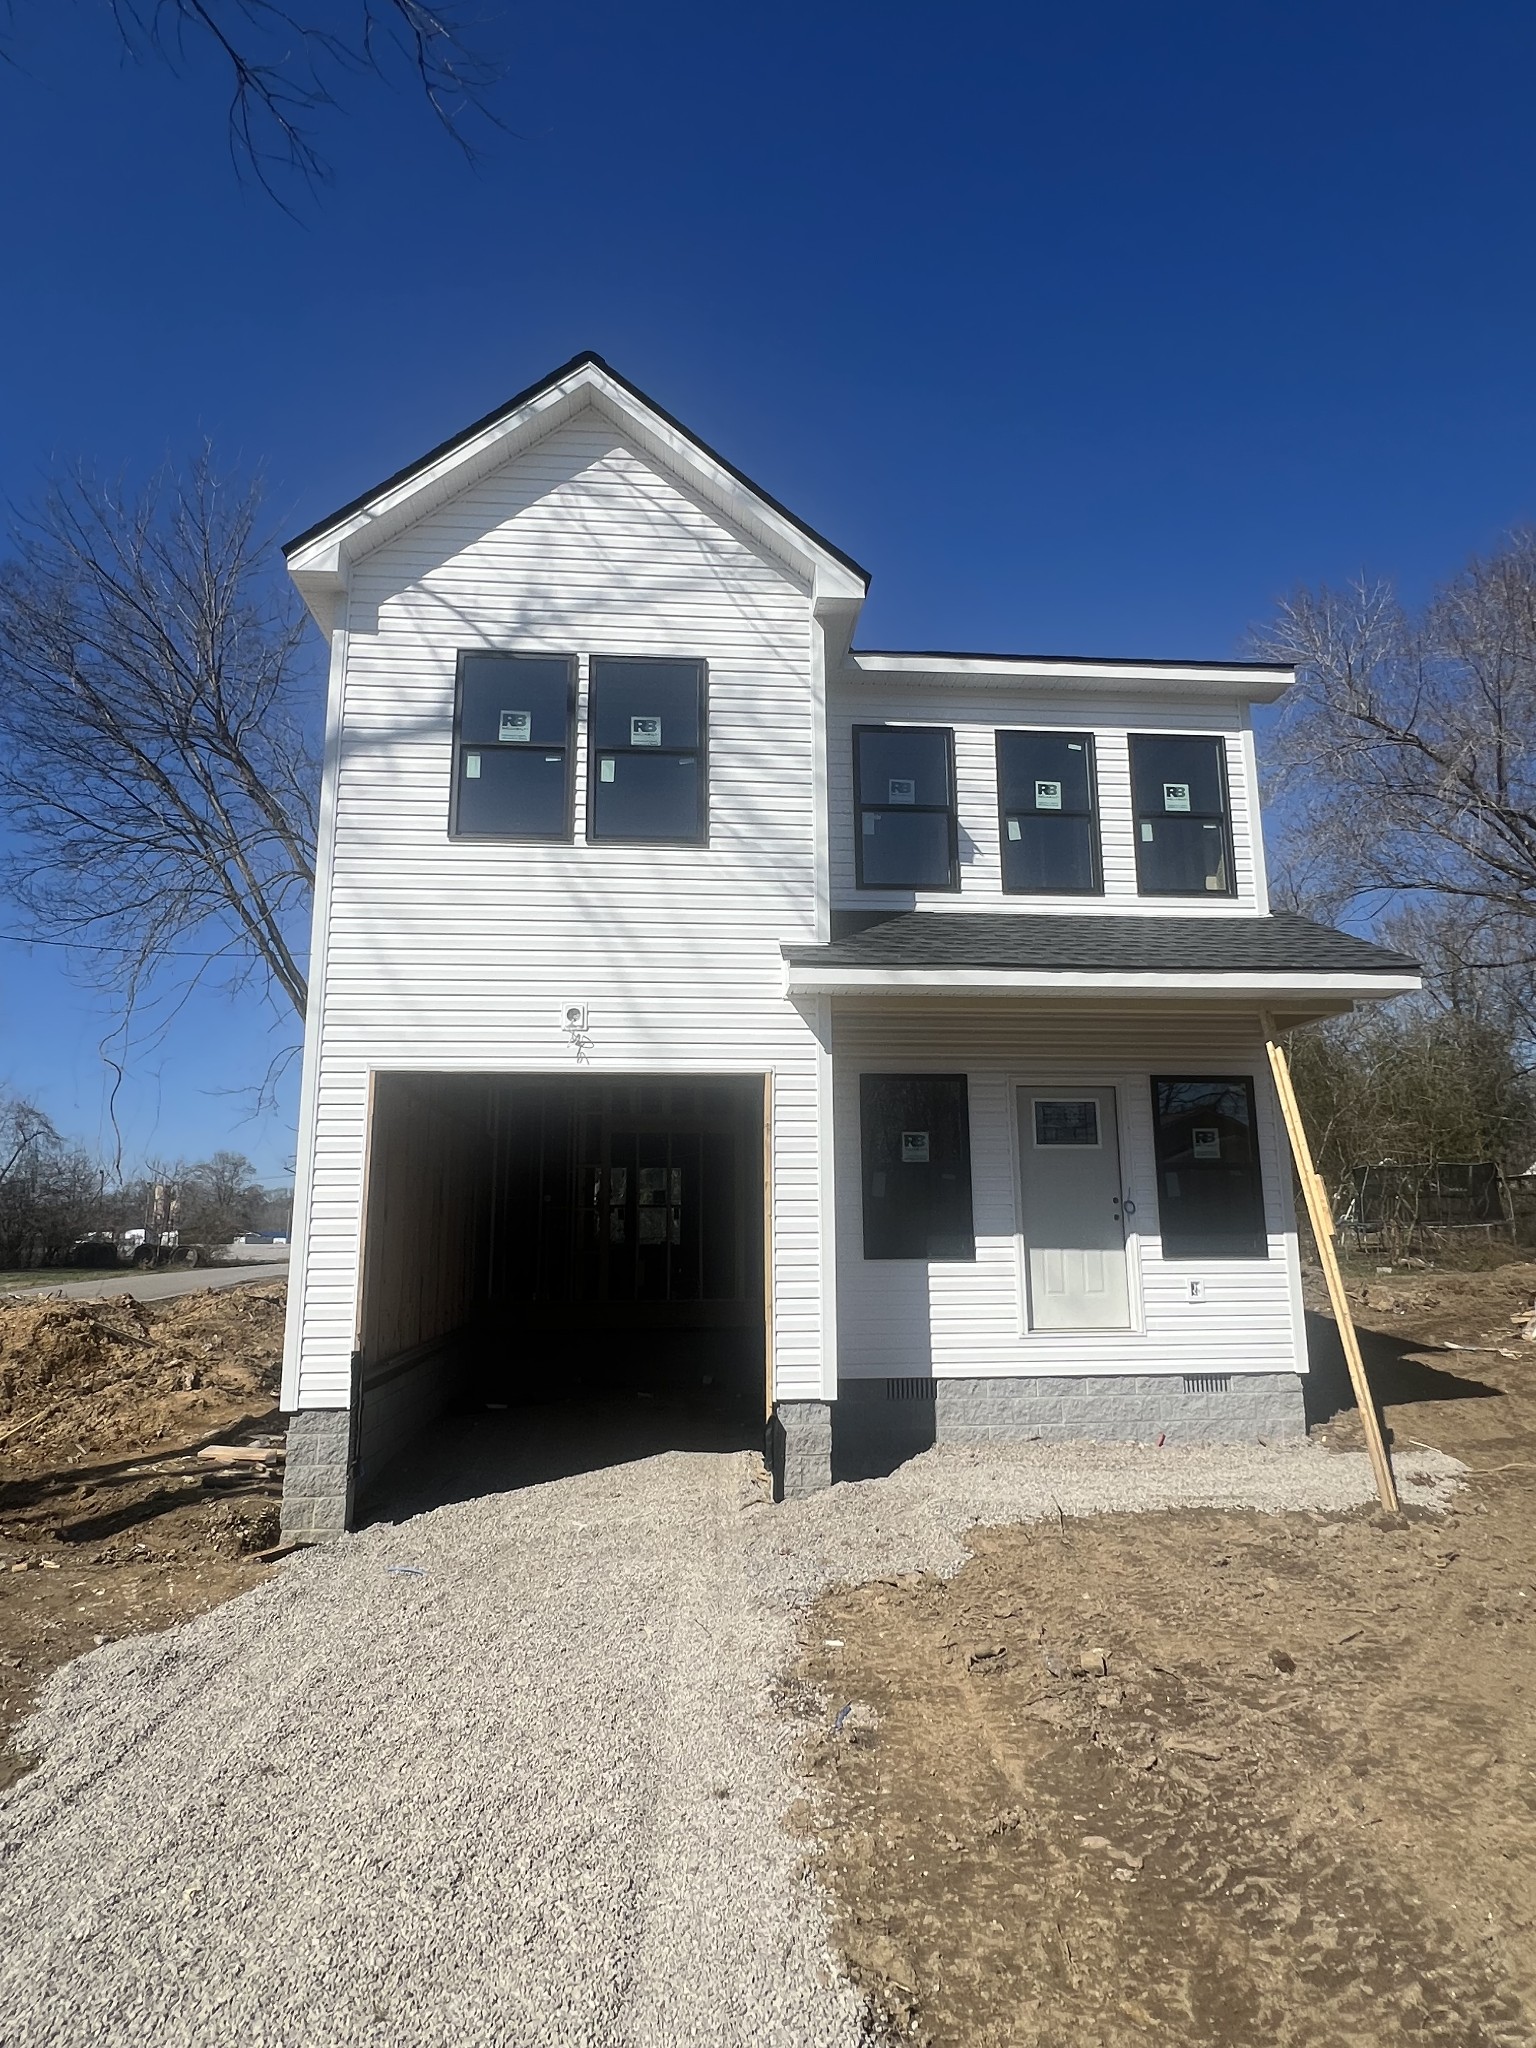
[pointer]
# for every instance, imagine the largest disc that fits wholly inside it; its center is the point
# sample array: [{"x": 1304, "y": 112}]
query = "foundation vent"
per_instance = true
[
  {"x": 1207, "y": 1383},
  {"x": 911, "y": 1390}
]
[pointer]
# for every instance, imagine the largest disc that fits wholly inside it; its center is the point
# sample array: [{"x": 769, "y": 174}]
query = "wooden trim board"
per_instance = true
[{"x": 1321, "y": 1213}]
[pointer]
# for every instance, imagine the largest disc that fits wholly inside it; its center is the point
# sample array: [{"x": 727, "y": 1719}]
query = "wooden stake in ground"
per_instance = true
[{"x": 1321, "y": 1212}]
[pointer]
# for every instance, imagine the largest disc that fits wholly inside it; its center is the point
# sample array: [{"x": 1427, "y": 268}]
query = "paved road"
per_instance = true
[{"x": 155, "y": 1286}]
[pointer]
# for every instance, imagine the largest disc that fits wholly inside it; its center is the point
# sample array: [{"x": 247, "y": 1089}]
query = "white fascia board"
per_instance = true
[
  {"x": 827, "y": 577},
  {"x": 1253, "y": 685},
  {"x": 392, "y": 511},
  {"x": 1236, "y": 986}
]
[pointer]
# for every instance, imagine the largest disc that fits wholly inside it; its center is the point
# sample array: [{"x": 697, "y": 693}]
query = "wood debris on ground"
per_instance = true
[{"x": 141, "y": 1450}]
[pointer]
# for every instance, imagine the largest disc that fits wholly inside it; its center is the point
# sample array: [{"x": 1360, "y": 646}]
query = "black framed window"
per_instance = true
[
  {"x": 1047, "y": 814},
  {"x": 1183, "y": 829},
  {"x": 512, "y": 746},
  {"x": 1210, "y": 1195},
  {"x": 905, "y": 833},
  {"x": 915, "y": 1135},
  {"x": 646, "y": 771}
]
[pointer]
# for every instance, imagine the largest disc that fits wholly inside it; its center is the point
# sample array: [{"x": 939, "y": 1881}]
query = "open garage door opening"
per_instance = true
[{"x": 556, "y": 1260}]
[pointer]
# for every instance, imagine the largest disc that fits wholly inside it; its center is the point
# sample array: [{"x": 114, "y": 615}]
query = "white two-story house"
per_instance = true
[{"x": 705, "y": 1008}]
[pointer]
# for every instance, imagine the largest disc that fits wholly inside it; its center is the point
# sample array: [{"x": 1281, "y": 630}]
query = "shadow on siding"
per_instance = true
[{"x": 880, "y": 1422}]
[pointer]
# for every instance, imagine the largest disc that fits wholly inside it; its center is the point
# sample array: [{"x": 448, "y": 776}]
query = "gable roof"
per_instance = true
[
  {"x": 318, "y": 557},
  {"x": 315, "y": 556}
]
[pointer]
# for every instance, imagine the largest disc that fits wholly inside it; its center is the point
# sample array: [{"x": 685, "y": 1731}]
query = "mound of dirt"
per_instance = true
[
  {"x": 110, "y": 1523},
  {"x": 93, "y": 1376},
  {"x": 1487, "y": 1306}
]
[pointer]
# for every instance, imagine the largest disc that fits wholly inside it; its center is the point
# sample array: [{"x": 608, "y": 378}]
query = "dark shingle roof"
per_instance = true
[{"x": 1279, "y": 944}]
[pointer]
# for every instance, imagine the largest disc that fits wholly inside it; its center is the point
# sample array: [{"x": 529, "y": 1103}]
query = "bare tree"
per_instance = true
[
  {"x": 1405, "y": 769},
  {"x": 220, "y": 1197},
  {"x": 49, "y": 1189},
  {"x": 285, "y": 65},
  {"x": 158, "y": 764},
  {"x": 208, "y": 1202},
  {"x": 1412, "y": 1086}
]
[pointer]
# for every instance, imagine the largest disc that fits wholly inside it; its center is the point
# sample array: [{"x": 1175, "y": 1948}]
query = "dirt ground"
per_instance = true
[
  {"x": 110, "y": 1523},
  {"x": 1204, "y": 1778}
]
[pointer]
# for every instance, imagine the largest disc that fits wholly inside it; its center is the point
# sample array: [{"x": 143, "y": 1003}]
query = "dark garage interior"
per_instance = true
[{"x": 588, "y": 1243}]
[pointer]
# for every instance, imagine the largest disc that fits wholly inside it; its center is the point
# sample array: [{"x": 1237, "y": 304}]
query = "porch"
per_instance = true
[{"x": 1064, "y": 1193}]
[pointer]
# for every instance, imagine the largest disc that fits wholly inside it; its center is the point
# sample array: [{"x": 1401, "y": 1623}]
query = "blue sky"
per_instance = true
[{"x": 1087, "y": 330}]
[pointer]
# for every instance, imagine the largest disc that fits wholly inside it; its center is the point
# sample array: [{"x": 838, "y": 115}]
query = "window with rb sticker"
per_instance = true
[
  {"x": 906, "y": 834},
  {"x": 1046, "y": 801},
  {"x": 1210, "y": 1191},
  {"x": 915, "y": 1141},
  {"x": 512, "y": 752},
  {"x": 646, "y": 782},
  {"x": 1183, "y": 816}
]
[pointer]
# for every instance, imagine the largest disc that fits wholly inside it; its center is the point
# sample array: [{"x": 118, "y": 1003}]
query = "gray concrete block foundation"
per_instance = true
[
  {"x": 878, "y": 1424},
  {"x": 802, "y": 1448},
  {"x": 317, "y": 1477}
]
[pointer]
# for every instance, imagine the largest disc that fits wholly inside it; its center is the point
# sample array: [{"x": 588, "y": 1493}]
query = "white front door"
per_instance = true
[{"x": 1074, "y": 1232}]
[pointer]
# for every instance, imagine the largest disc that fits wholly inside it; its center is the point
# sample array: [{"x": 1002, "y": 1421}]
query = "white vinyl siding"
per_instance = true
[
  {"x": 459, "y": 955},
  {"x": 436, "y": 955},
  {"x": 976, "y": 716},
  {"x": 966, "y": 1319}
]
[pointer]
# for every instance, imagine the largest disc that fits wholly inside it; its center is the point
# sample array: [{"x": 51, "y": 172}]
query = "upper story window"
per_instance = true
[
  {"x": 512, "y": 746},
  {"x": 906, "y": 834},
  {"x": 1045, "y": 797},
  {"x": 1183, "y": 827},
  {"x": 646, "y": 775}
]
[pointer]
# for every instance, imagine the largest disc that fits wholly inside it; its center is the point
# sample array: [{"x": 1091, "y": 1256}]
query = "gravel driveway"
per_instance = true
[{"x": 504, "y": 1773}]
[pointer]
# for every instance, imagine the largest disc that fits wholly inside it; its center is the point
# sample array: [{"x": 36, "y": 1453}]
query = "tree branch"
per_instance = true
[
  {"x": 158, "y": 733},
  {"x": 284, "y": 69}
]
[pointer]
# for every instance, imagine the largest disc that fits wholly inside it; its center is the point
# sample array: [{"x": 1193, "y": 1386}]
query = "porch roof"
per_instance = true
[{"x": 980, "y": 952}]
